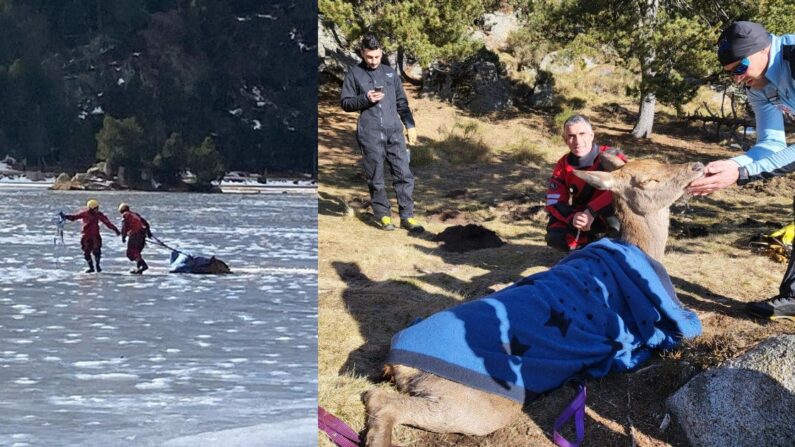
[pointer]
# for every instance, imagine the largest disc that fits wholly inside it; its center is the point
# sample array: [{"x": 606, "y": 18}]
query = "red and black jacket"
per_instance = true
[
  {"x": 91, "y": 220},
  {"x": 568, "y": 194},
  {"x": 133, "y": 223}
]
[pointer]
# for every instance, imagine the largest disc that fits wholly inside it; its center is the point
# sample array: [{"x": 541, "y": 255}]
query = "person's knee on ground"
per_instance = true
[{"x": 557, "y": 240}]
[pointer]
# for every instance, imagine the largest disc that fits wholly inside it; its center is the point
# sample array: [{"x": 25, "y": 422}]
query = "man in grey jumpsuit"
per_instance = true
[
  {"x": 765, "y": 64},
  {"x": 375, "y": 91}
]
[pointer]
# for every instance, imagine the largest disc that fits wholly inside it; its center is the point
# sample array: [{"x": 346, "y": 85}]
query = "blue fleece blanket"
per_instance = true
[
  {"x": 602, "y": 308},
  {"x": 186, "y": 263}
]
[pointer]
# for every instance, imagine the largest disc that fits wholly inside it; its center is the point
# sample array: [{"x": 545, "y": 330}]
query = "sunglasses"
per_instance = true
[{"x": 742, "y": 67}]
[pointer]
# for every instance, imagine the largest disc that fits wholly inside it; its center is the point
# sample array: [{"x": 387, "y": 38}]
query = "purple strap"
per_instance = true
[
  {"x": 576, "y": 409},
  {"x": 339, "y": 432}
]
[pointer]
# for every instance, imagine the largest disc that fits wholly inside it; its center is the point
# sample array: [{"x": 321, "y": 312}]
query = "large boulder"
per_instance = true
[
  {"x": 333, "y": 54},
  {"x": 478, "y": 84},
  {"x": 498, "y": 26},
  {"x": 80, "y": 178},
  {"x": 62, "y": 182},
  {"x": 749, "y": 401},
  {"x": 99, "y": 171}
]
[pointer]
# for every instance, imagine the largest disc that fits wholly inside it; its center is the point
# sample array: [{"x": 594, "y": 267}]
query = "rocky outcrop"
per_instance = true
[
  {"x": 478, "y": 84},
  {"x": 749, "y": 401},
  {"x": 62, "y": 183},
  {"x": 497, "y": 27},
  {"x": 99, "y": 171},
  {"x": 334, "y": 57},
  {"x": 95, "y": 179}
]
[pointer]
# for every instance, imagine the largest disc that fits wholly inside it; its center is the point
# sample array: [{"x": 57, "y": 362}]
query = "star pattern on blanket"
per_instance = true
[{"x": 558, "y": 320}]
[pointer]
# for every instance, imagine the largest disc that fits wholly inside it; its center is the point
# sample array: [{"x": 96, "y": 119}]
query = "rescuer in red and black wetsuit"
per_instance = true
[
  {"x": 135, "y": 229},
  {"x": 91, "y": 241},
  {"x": 578, "y": 213}
]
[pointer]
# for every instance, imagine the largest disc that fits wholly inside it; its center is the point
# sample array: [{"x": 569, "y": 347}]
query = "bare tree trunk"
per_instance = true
[{"x": 645, "y": 121}]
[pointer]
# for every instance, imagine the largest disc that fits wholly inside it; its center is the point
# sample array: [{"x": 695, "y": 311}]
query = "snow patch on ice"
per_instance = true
[
  {"x": 294, "y": 433},
  {"x": 107, "y": 376},
  {"x": 155, "y": 384}
]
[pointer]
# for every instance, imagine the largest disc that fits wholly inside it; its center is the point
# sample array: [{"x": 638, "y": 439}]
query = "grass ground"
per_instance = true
[{"x": 492, "y": 171}]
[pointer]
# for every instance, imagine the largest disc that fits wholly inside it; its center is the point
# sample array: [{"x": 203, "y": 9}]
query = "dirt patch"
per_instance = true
[
  {"x": 775, "y": 186},
  {"x": 688, "y": 230},
  {"x": 460, "y": 239},
  {"x": 448, "y": 216},
  {"x": 536, "y": 213}
]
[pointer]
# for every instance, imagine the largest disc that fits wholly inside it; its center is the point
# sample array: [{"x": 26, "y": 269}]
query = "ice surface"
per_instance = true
[{"x": 114, "y": 359}]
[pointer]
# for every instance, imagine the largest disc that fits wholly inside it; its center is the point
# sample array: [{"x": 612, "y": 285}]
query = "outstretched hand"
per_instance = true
[{"x": 717, "y": 175}]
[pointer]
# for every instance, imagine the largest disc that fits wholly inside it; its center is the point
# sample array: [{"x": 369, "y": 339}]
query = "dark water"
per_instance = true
[{"x": 118, "y": 359}]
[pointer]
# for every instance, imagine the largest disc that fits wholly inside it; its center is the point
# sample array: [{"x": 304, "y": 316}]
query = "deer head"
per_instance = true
[{"x": 643, "y": 191}]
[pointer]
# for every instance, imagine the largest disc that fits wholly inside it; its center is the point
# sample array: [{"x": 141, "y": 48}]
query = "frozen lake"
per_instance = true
[{"x": 114, "y": 359}]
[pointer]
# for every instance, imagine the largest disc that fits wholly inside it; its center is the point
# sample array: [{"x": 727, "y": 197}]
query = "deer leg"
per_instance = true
[
  {"x": 467, "y": 411},
  {"x": 380, "y": 419}
]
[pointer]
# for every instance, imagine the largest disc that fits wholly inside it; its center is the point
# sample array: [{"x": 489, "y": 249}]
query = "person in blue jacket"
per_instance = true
[
  {"x": 375, "y": 91},
  {"x": 765, "y": 64}
]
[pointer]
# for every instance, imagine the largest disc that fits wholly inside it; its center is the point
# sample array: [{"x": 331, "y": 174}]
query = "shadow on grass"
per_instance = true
[
  {"x": 330, "y": 205},
  {"x": 503, "y": 265},
  {"x": 701, "y": 299},
  {"x": 381, "y": 309}
]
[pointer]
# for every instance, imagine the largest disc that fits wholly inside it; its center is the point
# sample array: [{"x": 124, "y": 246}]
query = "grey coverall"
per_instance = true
[{"x": 379, "y": 133}]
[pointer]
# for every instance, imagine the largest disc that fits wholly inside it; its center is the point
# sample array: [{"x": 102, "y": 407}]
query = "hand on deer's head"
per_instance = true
[
  {"x": 718, "y": 175},
  {"x": 644, "y": 185}
]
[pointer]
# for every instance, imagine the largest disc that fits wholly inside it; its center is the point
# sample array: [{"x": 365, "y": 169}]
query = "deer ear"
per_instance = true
[
  {"x": 598, "y": 179},
  {"x": 610, "y": 162}
]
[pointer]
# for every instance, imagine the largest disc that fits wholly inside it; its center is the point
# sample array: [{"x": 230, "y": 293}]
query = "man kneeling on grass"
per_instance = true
[
  {"x": 578, "y": 213},
  {"x": 137, "y": 228}
]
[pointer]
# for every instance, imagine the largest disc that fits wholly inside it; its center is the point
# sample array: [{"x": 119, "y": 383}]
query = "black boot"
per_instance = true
[
  {"x": 90, "y": 264},
  {"x": 97, "y": 258},
  {"x": 142, "y": 265}
]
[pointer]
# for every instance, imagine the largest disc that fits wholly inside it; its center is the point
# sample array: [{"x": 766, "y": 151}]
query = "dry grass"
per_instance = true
[
  {"x": 422, "y": 156},
  {"x": 526, "y": 153},
  {"x": 463, "y": 144},
  {"x": 373, "y": 283}
]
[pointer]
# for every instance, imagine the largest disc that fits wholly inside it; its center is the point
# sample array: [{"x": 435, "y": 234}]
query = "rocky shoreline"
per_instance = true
[
  {"x": 98, "y": 178},
  {"x": 83, "y": 182}
]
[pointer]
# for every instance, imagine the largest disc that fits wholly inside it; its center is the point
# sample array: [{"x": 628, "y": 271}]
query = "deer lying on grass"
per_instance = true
[{"x": 477, "y": 398}]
